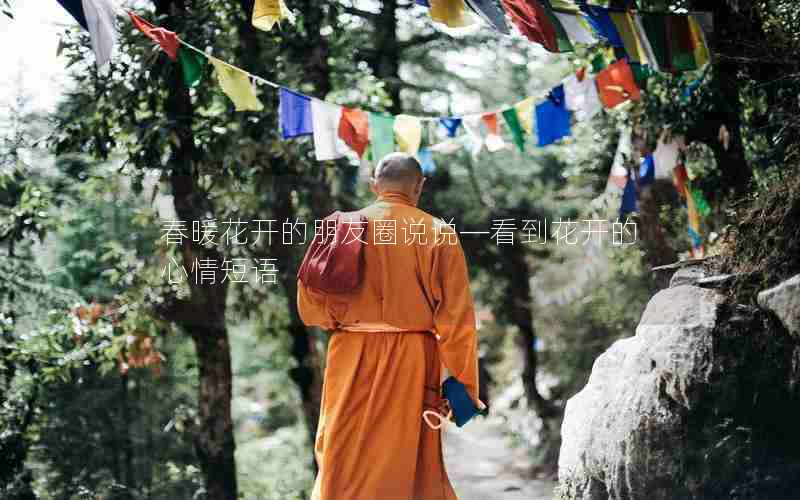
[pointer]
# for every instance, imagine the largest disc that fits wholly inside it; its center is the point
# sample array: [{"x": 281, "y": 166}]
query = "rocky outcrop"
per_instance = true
[
  {"x": 700, "y": 404},
  {"x": 784, "y": 301},
  {"x": 620, "y": 434}
]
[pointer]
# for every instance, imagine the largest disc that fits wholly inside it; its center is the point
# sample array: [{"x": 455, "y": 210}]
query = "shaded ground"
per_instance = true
[{"x": 482, "y": 465}]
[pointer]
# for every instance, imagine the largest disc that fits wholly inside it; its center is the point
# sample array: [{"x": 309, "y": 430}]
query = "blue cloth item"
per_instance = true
[
  {"x": 628, "y": 198},
  {"x": 425, "y": 157},
  {"x": 295, "y": 114},
  {"x": 463, "y": 406},
  {"x": 424, "y": 3},
  {"x": 75, "y": 8},
  {"x": 451, "y": 125},
  {"x": 647, "y": 171},
  {"x": 552, "y": 118},
  {"x": 603, "y": 26}
]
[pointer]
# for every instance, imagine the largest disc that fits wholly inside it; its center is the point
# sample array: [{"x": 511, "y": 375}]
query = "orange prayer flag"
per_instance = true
[
  {"x": 167, "y": 39},
  {"x": 490, "y": 119},
  {"x": 616, "y": 85},
  {"x": 354, "y": 129}
]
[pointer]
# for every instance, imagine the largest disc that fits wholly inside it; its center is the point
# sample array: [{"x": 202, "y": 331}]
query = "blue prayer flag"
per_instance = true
[
  {"x": 603, "y": 25},
  {"x": 75, "y": 8},
  {"x": 451, "y": 124},
  {"x": 552, "y": 118},
  {"x": 425, "y": 157},
  {"x": 647, "y": 171},
  {"x": 628, "y": 198},
  {"x": 295, "y": 114}
]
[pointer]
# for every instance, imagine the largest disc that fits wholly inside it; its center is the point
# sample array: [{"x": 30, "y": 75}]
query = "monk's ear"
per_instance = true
[{"x": 373, "y": 186}]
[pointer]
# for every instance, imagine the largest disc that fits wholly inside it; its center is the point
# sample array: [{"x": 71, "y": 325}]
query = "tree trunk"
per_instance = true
[
  {"x": 519, "y": 292},
  {"x": 736, "y": 31},
  {"x": 203, "y": 315},
  {"x": 214, "y": 443}
]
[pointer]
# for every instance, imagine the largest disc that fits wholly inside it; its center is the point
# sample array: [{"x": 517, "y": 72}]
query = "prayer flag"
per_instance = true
[
  {"x": 425, "y": 157},
  {"x": 538, "y": 24},
  {"x": 514, "y": 125},
  {"x": 192, "y": 65},
  {"x": 381, "y": 135},
  {"x": 450, "y": 12},
  {"x": 451, "y": 125},
  {"x": 408, "y": 133},
  {"x": 647, "y": 171},
  {"x": 703, "y": 208},
  {"x": 237, "y": 86},
  {"x": 616, "y": 85},
  {"x": 491, "y": 13},
  {"x": 666, "y": 155},
  {"x": 524, "y": 110},
  {"x": 552, "y": 118},
  {"x": 101, "y": 22},
  {"x": 636, "y": 45},
  {"x": 75, "y": 8},
  {"x": 577, "y": 28},
  {"x": 325, "y": 119},
  {"x": 493, "y": 140},
  {"x": 628, "y": 198},
  {"x": 681, "y": 43},
  {"x": 474, "y": 127},
  {"x": 354, "y": 129},
  {"x": 655, "y": 30},
  {"x": 267, "y": 13},
  {"x": 603, "y": 25},
  {"x": 295, "y": 114},
  {"x": 167, "y": 39},
  {"x": 701, "y": 52},
  {"x": 581, "y": 97}
]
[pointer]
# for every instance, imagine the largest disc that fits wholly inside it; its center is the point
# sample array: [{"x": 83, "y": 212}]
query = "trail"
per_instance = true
[{"x": 482, "y": 465}]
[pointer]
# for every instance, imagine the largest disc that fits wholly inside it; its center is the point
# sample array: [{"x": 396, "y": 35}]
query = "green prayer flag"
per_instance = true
[
  {"x": 641, "y": 72},
  {"x": 700, "y": 202},
  {"x": 381, "y": 135},
  {"x": 517, "y": 133},
  {"x": 655, "y": 28},
  {"x": 192, "y": 65}
]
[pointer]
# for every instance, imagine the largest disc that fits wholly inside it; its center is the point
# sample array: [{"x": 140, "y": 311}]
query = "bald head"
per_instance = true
[{"x": 399, "y": 172}]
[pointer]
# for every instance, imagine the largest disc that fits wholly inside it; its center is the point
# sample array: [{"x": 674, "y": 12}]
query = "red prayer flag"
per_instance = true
[
  {"x": 616, "y": 85},
  {"x": 167, "y": 39},
  {"x": 531, "y": 19},
  {"x": 354, "y": 129},
  {"x": 679, "y": 178}
]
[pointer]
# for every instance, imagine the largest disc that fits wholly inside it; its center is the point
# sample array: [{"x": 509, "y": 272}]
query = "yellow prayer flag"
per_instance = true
[
  {"x": 701, "y": 55},
  {"x": 626, "y": 27},
  {"x": 236, "y": 85},
  {"x": 450, "y": 12},
  {"x": 408, "y": 133},
  {"x": 266, "y": 13},
  {"x": 525, "y": 114}
]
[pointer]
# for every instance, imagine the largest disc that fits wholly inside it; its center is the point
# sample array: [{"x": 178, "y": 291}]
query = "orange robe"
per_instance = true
[{"x": 371, "y": 442}]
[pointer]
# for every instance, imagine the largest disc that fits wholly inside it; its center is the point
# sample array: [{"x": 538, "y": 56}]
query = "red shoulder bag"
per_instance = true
[{"x": 334, "y": 261}]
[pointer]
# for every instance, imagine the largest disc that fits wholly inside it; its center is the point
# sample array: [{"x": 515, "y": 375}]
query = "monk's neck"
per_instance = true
[{"x": 396, "y": 197}]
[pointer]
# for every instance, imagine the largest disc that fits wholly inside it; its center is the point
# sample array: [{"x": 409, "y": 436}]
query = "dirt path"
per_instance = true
[{"x": 483, "y": 466}]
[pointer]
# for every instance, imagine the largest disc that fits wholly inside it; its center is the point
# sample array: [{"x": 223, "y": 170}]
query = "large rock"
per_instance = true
[
  {"x": 623, "y": 434},
  {"x": 784, "y": 301}
]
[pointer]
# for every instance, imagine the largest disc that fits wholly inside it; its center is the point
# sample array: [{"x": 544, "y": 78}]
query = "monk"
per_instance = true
[{"x": 412, "y": 317}]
